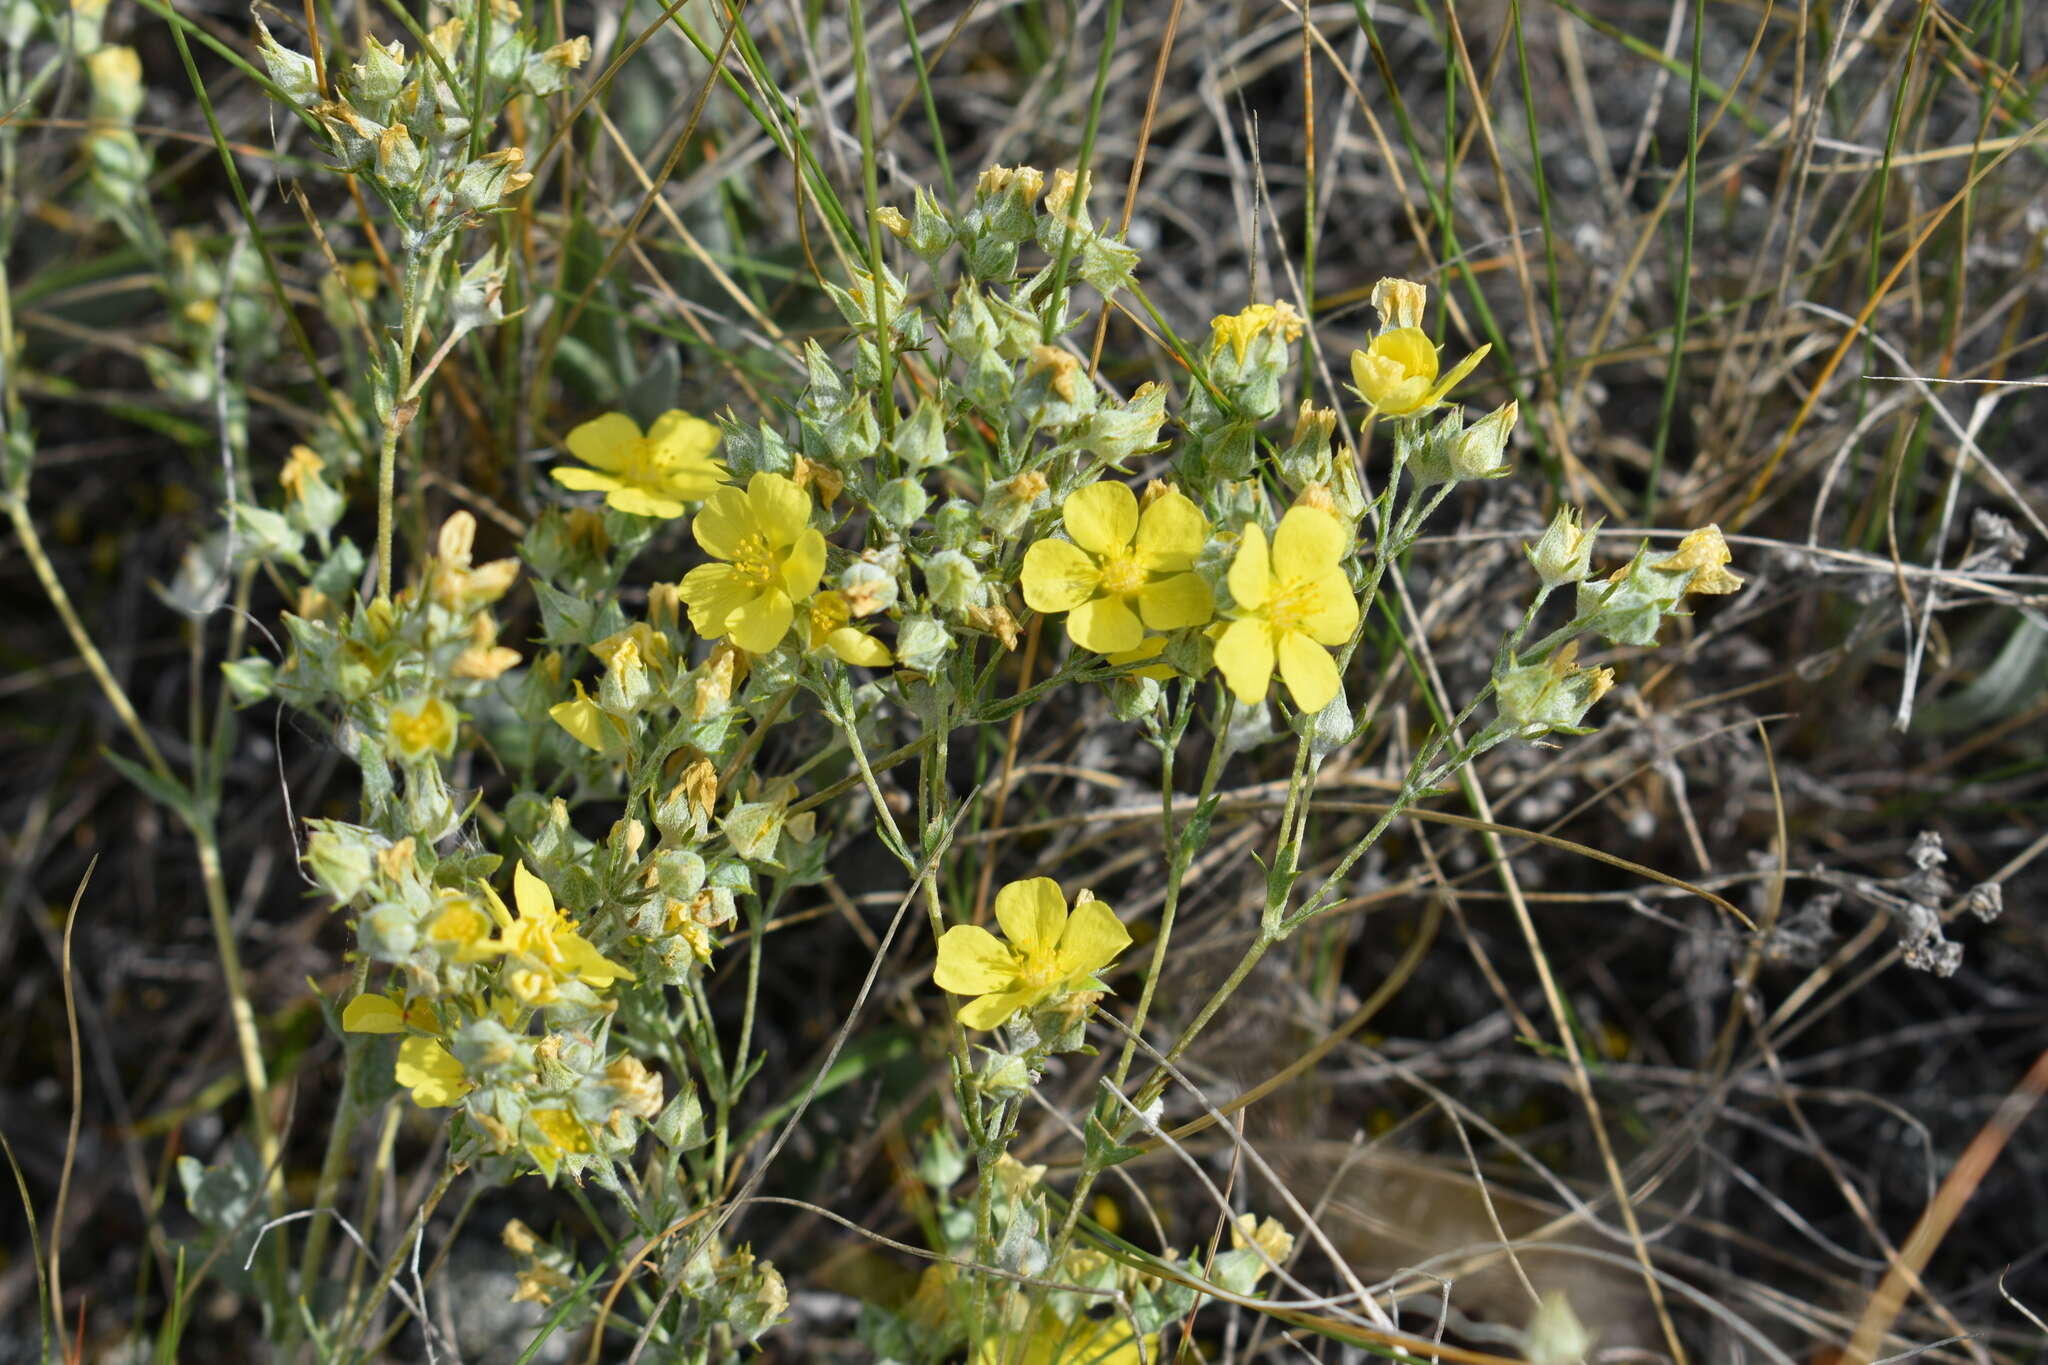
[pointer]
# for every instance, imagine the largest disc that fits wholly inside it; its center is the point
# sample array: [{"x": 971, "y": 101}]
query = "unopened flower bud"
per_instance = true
[
  {"x": 375, "y": 81},
  {"x": 489, "y": 178},
  {"x": 1012, "y": 502},
  {"x": 901, "y": 502},
  {"x": 1477, "y": 452},
  {"x": 292, "y": 72},
  {"x": 398, "y": 158},
  {"x": 922, "y": 644},
  {"x": 1564, "y": 552},
  {"x": 954, "y": 581},
  {"x": 1552, "y": 695}
]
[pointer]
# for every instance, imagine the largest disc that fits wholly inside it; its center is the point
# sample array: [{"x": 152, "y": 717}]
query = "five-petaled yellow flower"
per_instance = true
[
  {"x": 1118, "y": 556},
  {"x": 1049, "y": 952},
  {"x": 772, "y": 559},
  {"x": 1397, "y": 372},
  {"x": 649, "y": 475},
  {"x": 1291, "y": 602}
]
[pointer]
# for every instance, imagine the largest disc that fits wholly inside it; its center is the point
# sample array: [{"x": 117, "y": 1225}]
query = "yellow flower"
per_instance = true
[
  {"x": 428, "y": 728},
  {"x": 301, "y": 469},
  {"x": 1705, "y": 552},
  {"x": 547, "y": 937},
  {"x": 826, "y": 619},
  {"x": 559, "y": 1135},
  {"x": 1397, "y": 372},
  {"x": 1119, "y": 555},
  {"x": 431, "y": 1073},
  {"x": 1240, "y": 330},
  {"x": 773, "y": 558},
  {"x": 464, "y": 927},
  {"x": 1049, "y": 951},
  {"x": 1291, "y": 602},
  {"x": 651, "y": 475}
]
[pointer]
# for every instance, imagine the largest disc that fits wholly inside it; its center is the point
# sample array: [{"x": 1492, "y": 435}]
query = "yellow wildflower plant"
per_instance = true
[
  {"x": 651, "y": 474},
  {"x": 827, "y": 623},
  {"x": 1293, "y": 602},
  {"x": 1397, "y": 373},
  {"x": 771, "y": 558},
  {"x": 1049, "y": 951},
  {"x": 1120, "y": 556}
]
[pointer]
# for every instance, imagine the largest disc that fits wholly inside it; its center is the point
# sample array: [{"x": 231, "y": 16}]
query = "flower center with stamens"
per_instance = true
[
  {"x": 1292, "y": 602},
  {"x": 755, "y": 562},
  {"x": 1122, "y": 575},
  {"x": 642, "y": 467},
  {"x": 1037, "y": 971}
]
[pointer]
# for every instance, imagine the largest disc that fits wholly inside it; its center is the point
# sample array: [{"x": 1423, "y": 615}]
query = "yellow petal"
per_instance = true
[
  {"x": 760, "y": 623},
  {"x": 1308, "y": 670},
  {"x": 681, "y": 438},
  {"x": 1092, "y": 941},
  {"x": 991, "y": 1010},
  {"x": 591, "y": 967},
  {"x": 1171, "y": 532},
  {"x": 373, "y": 1014},
  {"x": 722, "y": 522},
  {"x": 1103, "y": 517},
  {"x": 532, "y": 896},
  {"x": 805, "y": 564},
  {"x": 590, "y": 726},
  {"x": 641, "y": 502},
  {"x": 1106, "y": 625},
  {"x": 781, "y": 510},
  {"x": 1458, "y": 372},
  {"x": 1332, "y": 612},
  {"x": 1245, "y": 657},
  {"x": 1058, "y": 576},
  {"x": 1171, "y": 603},
  {"x": 972, "y": 961},
  {"x": 1033, "y": 914},
  {"x": 1307, "y": 544},
  {"x": 584, "y": 480},
  {"x": 1251, "y": 572},
  {"x": 713, "y": 592},
  {"x": 605, "y": 441},
  {"x": 856, "y": 647},
  {"x": 431, "y": 1072}
]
